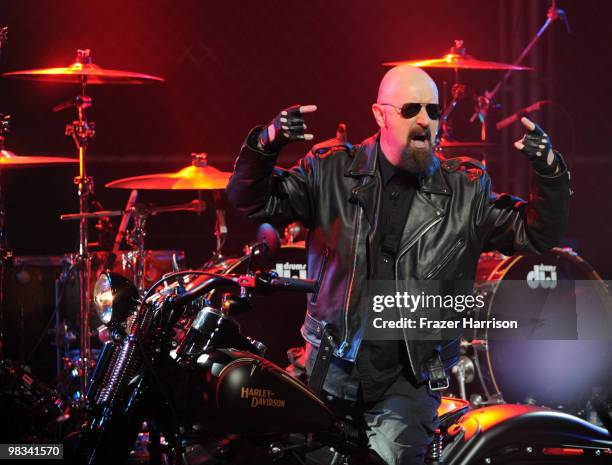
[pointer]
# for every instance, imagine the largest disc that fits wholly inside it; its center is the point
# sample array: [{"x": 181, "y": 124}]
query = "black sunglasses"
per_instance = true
[{"x": 410, "y": 110}]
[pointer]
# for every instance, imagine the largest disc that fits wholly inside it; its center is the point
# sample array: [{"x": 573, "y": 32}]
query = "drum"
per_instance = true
[
  {"x": 275, "y": 319},
  {"x": 156, "y": 264},
  {"x": 569, "y": 351}
]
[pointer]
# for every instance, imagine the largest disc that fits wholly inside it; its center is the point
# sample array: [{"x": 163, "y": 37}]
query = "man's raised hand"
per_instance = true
[
  {"x": 288, "y": 126},
  {"x": 538, "y": 148}
]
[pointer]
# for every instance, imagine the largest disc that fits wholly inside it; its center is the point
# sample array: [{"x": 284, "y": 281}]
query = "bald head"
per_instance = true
[
  {"x": 407, "y": 141},
  {"x": 405, "y": 82}
]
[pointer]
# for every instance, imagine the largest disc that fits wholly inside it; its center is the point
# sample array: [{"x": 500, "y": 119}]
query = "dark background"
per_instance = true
[{"x": 231, "y": 65}]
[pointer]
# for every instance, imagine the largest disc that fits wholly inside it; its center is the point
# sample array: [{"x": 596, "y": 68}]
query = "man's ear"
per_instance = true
[{"x": 379, "y": 115}]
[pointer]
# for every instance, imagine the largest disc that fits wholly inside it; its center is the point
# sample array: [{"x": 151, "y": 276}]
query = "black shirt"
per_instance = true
[{"x": 379, "y": 363}]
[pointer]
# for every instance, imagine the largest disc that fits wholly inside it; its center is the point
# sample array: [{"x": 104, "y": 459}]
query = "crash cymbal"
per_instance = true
[
  {"x": 10, "y": 159},
  {"x": 76, "y": 72},
  {"x": 198, "y": 176},
  {"x": 457, "y": 61}
]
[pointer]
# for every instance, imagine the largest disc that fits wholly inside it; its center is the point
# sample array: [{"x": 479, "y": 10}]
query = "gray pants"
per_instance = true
[{"x": 400, "y": 426}]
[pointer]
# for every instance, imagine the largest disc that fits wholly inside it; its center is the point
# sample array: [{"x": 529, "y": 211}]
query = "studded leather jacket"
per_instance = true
[{"x": 335, "y": 191}]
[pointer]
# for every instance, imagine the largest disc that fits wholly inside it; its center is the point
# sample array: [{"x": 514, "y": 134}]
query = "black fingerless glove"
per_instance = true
[
  {"x": 288, "y": 126},
  {"x": 538, "y": 148}
]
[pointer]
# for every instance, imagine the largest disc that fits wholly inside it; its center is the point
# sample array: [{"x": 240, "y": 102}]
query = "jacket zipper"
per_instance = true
[
  {"x": 315, "y": 295},
  {"x": 402, "y": 252},
  {"x": 442, "y": 263},
  {"x": 344, "y": 344}
]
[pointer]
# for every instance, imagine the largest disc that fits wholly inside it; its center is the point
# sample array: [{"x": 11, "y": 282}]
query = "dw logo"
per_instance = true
[
  {"x": 542, "y": 275},
  {"x": 291, "y": 270}
]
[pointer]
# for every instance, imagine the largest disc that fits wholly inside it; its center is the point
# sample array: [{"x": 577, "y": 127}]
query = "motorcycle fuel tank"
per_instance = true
[{"x": 243, "y": 392}]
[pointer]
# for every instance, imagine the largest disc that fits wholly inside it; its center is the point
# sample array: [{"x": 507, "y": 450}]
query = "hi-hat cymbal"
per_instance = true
[
  {"x": 75, "y": 74},
  {"x": 9, "y": 159},
  {"x": 457, "y": 61},
  {"x": 198, "y": 176}
]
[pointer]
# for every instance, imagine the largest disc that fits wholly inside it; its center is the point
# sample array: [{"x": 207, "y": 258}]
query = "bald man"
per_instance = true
[{"x": 389, "y": 209}]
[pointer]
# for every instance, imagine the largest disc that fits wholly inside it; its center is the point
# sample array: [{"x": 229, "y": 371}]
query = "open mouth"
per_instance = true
[{"x": 420, "y": 140}]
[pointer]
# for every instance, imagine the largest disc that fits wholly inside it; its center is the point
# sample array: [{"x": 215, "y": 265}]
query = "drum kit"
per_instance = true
[
  {"x": 481, "y": 376},
  {"x": 143, "y": 266}
]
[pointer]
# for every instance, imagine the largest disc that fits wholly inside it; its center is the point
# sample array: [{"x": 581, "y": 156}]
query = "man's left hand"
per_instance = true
[{"x": 538, "y": 148}]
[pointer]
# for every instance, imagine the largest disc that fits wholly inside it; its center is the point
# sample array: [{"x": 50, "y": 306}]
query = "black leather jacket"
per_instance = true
[{"x": 336, "y": 193}]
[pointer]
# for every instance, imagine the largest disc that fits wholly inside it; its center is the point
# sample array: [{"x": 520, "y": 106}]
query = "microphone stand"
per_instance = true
[{"x": 485, "y": 101}]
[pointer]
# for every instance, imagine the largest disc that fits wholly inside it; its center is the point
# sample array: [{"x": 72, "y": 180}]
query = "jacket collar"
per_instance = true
[{"x": 364, "y": 163}]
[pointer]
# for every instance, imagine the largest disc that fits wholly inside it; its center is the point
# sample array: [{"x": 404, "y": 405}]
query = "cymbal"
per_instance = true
[
  {"x": 76, "y": 72},
  {"x": 9, "y": 159},
  {"x": 458, "y": 61},
  {"x": 198, "y": 176}
]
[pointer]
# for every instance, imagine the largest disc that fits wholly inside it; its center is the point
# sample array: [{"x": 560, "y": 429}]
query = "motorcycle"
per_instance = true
[{"x": 179, "y": 367}]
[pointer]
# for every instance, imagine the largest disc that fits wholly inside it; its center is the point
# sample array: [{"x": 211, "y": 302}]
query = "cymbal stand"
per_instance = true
[
  {"x": 458, "y": 92},
  {"x": 136, "y": 236},
  {"x": 485, "y": 101},
  {"x": 220, "y": 223},
  {"x": 445, "y": 132},
  {"x": 6, "y": 254},
  {"x": 136, "y": 240},
  {"x": 82, "y": 131}
]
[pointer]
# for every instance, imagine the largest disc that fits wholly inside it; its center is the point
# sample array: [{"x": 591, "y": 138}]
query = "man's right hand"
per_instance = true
[{"x": 288, "y": 126}]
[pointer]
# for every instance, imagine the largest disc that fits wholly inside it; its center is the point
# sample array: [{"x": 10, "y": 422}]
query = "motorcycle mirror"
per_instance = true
[{"x": 268, "y": 241}]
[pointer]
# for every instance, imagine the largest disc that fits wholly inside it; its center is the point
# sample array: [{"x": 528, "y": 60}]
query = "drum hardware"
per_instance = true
[
  {"x": 81, "y": 131},
  {"x": 135, "y": 237},
  {"x": 6, "y": 254},
  {"x": 464, "y": 372},
  {"x": 83, "y": 72},
  {"x": 458, "y": 93},
  {"x": 200, "y": 176},
  {"x": 220, "y": 225},
  {"x": 292, "y": 232}
]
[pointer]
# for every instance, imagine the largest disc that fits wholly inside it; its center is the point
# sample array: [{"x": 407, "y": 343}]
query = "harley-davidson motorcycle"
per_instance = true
[{"x": 179, "y": 368}]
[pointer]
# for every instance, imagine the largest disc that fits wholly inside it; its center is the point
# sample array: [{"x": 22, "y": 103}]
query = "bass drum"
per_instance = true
[
  {"x": 276, "y": 319},
  {"x": 568, "y": 352}
]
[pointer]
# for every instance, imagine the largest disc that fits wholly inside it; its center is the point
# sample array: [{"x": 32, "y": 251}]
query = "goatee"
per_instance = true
[{"x": 418, "y": 160}]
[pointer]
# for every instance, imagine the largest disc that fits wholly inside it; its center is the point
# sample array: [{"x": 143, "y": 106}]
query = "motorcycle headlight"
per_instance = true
[{"x": 114, "y": 298}]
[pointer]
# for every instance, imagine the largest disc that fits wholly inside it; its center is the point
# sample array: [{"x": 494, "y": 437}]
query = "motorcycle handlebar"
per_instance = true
[{"x": 263, "y": 282}]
